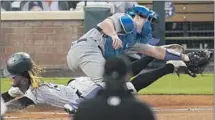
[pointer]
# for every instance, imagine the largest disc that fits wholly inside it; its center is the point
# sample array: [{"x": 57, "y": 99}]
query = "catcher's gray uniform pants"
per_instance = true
[{"x": 86, "y": 55}]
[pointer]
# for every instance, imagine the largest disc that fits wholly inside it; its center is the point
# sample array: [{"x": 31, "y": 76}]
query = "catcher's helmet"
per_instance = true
[
  {"x": 19, "y": 63},
  {"x": 142, "y": 10},
  {"x": 153, "y": 17}
]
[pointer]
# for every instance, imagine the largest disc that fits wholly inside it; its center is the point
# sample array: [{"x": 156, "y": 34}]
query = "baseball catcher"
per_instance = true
[{"x": 117, "y": 35}]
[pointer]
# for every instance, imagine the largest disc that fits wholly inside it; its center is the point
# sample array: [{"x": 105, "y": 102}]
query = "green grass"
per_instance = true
[{"x": 170, "y": 84}]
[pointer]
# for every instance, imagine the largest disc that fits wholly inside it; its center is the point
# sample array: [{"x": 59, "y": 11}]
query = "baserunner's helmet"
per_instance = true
[
  {"x": 21, "y": 63},
  {"x": 18, "y": 63}
]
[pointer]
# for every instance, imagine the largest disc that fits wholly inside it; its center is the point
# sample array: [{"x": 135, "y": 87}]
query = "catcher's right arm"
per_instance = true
[
  {"x": 175, "y": 47},
  {"x": 198, "y": 61}
]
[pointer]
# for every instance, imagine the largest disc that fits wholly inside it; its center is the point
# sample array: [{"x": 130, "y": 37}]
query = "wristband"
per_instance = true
[
  {"x": 6, "y": 97},
  {"x": 172, "y": 55},
  {"x": 15, "y": 92}
]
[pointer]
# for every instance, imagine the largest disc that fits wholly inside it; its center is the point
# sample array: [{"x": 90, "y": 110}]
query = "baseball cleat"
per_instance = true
[
  {"x": 180, "y": 67},
  {"x": 69, "y": 109}
]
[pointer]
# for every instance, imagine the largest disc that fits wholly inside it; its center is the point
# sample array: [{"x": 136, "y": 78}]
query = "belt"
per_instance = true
[
  {"x": 101, "y": 31},
  {"x": 78, "y": 41},
  {"x": 98, "y": 28},
  {"x": 82, "y": 40},
  {"x": 85, "y": 39}
]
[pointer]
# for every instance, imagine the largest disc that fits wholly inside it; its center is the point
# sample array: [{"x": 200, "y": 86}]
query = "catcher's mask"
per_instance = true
[
  {"x": 21, "y": 64},
  {"x": 117, "y": 72},
  {"x": 153, "y": 17}
]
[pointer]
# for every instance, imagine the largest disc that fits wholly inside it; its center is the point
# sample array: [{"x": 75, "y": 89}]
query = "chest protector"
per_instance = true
[
  {"x": 128, "y": 37},
  {"x": 146, "y": 34}
]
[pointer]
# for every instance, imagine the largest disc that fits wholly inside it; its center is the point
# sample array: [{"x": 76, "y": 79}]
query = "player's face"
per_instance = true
[{"x": 21, "y": 82}]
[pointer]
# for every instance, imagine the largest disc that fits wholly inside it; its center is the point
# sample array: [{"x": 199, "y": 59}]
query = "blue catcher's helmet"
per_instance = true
[
  {"x": 131, "y": 13},
  {"x": 153, "y": 17},
  {"x": 142, "y": 11}
]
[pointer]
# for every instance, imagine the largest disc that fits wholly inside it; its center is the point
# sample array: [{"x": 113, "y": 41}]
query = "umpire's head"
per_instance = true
[{"x": 117, "y": 72}]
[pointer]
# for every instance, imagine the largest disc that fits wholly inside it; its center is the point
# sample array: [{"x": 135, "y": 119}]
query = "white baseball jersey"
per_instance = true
[{"x": 58, "y": 95}]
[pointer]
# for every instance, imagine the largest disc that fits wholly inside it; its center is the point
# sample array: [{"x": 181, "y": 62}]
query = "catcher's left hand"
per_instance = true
[{"x": 198, "y": 61}]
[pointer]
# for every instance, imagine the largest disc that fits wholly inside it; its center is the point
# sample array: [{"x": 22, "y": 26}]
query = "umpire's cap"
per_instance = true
[
  {"x": 117, "y": 67},
  {"x": 18, "y": 63}
]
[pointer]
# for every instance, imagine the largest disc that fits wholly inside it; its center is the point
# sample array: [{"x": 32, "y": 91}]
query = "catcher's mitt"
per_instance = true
[{"x": 198, "y": 61}]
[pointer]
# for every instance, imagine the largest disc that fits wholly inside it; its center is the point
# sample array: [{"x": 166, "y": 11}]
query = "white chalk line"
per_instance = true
[
  {"x": 182, "y": 109},
  {"x": 44, "y": 113},
  {"x": 53, "y": 113},
  {"x": 156, "y": 110},
  {"x": 10, "y": 117}
]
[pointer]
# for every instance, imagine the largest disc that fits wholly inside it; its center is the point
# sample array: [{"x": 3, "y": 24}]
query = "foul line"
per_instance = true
[
  {"x": 182, "y": 109},
  {"x": 156, "y": 110},
  {"x": 10, "y": 117},
  {"x": 53, "y": 113}
]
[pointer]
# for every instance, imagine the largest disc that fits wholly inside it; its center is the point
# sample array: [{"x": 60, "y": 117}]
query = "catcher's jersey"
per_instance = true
[{"x": 94, "y": 34}]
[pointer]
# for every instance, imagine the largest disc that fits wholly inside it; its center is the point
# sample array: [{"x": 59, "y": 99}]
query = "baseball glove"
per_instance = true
[{"x": 198, "y": 61}]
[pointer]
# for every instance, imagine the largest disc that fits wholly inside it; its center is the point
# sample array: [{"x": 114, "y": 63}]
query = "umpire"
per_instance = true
[{"x": 115, "y": 102}]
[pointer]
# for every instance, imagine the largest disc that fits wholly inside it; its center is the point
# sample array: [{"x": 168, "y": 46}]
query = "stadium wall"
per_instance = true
[{"x": 45, "y": 37}]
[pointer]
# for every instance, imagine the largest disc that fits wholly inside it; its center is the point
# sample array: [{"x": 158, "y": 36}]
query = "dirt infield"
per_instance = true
[{"x": 166, "y": 107}]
